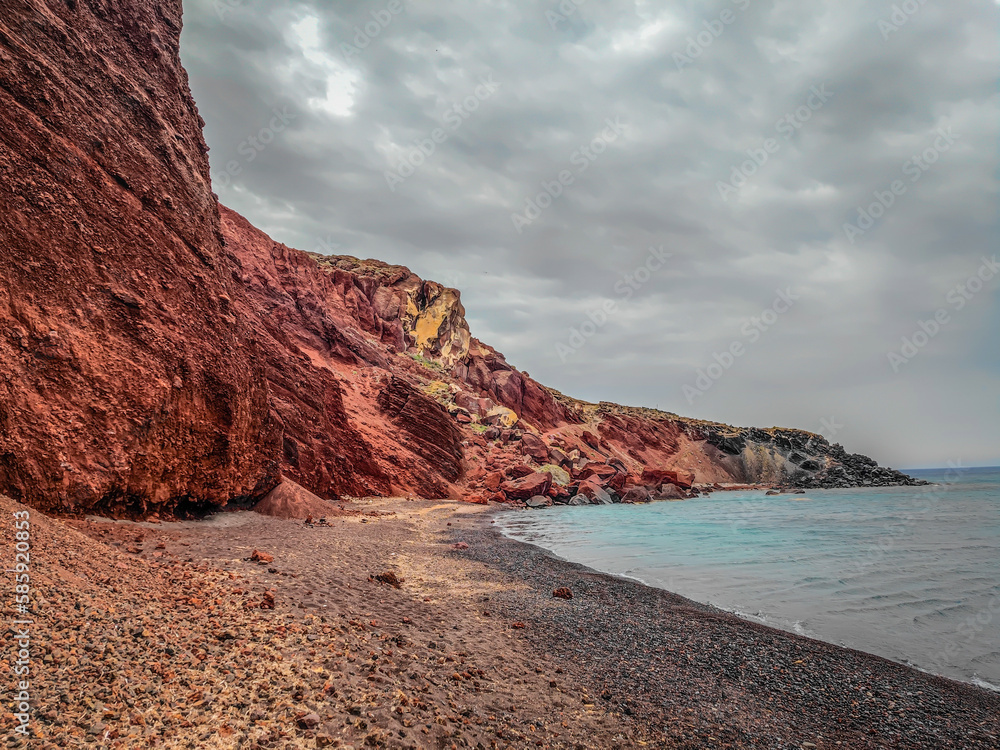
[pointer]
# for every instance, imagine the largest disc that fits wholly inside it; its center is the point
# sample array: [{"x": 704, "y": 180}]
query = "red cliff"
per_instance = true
[
  {"x": 157, "y": 352},
  {"x": 128, "y": 377}
]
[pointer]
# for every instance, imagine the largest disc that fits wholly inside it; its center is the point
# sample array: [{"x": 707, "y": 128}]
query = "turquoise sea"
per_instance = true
[{"x": 908, "y": 573}]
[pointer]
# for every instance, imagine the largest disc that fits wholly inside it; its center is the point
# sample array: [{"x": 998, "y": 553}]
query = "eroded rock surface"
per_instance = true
[{"x": 128, "y": 377}]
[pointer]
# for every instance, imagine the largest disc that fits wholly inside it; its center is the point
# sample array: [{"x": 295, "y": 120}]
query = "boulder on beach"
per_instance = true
[
  {"x": 535, "y": 447},
  {"x": 559, "y": 475},
  {"x": 594, "y": 493},
  {"x": 493, "y": 480},
  {"x": 636, "y": 495},
  {"x": 517, "y": 471},
  {"x": 558, "y": 457},
  {"x": 655, "y": 477},
  {"x": 527, "y": 487},
  {"x": 671, "y": 492}
]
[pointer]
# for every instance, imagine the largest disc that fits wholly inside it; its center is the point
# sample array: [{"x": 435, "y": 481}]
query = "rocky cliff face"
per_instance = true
[
  {"x": 793, "y": 458},
  {"x": 157, "y": 352},
  {"x": 333, "y": 343},
  {"x": 127, "y": 374}
]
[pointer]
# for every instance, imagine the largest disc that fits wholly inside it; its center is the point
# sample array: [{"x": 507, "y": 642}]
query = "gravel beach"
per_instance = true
[{"x": 414, "y": 624}]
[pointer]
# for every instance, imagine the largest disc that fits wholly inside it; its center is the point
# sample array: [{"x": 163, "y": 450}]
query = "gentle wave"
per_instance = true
[{"x": 858, "y": 568}]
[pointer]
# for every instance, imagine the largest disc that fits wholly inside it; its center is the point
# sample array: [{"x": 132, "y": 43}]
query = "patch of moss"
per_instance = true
[
  {"x": 559, "y": 475},
  {"x": 438, "y": 389},
  {"x": 430, "y": 364}
]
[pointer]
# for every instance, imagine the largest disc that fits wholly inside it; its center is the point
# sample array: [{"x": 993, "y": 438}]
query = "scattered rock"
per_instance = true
[
  {"x": 655, "y": 477},
  {"x": 562, "y": 593},
  {"x": 559, "y": 475},
  {"x": 636, "y": 495},
  {"x": 501, "y": 416},
  {"x": 559, "y": 458},
  {"x": 390, "y": 578},
  {"x": 493, "y": 481},
  {"x": 261, "y": 558},
  {"x": 519, "y": 470},
  {"x": 671, "y": 492},
  {"x": 309, "y": 721}
]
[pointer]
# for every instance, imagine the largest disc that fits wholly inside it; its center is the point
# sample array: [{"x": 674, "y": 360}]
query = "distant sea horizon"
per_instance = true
[
  {"x": 943, "y": 469},
  {"x": 908, "y": 573}
]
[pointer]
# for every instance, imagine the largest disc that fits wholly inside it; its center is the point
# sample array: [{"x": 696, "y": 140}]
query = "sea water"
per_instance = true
[{"x": 909, "y": 573}]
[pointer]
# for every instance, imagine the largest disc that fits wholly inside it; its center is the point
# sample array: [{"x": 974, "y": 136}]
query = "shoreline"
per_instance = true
[
  {"x": 974, "y": 682},
  {"x": 182, "y": 639},
  {"x": 954, "y": 697}
]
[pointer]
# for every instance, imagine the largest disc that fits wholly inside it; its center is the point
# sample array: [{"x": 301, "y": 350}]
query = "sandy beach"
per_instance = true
[{"x": 164, "y": 635}]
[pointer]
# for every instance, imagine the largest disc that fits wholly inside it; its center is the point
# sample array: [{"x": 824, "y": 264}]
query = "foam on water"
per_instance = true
[{"x": 909, "y": 573}]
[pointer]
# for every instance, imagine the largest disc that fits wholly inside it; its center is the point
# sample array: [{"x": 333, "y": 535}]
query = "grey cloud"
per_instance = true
[{"x": 656, "y": 185}]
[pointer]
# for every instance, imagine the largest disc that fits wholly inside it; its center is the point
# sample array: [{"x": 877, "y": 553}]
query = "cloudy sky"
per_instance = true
[{"x": 736, "y": 210}]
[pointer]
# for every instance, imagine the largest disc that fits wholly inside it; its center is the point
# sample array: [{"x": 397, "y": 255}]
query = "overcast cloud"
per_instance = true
[{"x": 819, "y": 106}]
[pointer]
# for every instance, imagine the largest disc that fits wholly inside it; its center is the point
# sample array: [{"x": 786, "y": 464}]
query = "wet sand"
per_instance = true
[{"x": 162, "y": 626}]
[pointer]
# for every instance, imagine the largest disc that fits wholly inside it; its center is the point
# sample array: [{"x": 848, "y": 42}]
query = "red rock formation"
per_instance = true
[
  {"x": 316, "y": 326},
  {"x": 127, "y": 373},
  {"x": 534, "y": 446},
  {"x": 435, "y": 437},
  {"x": 158, "y": 352},
  {"x": 527, "y": 487}
]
